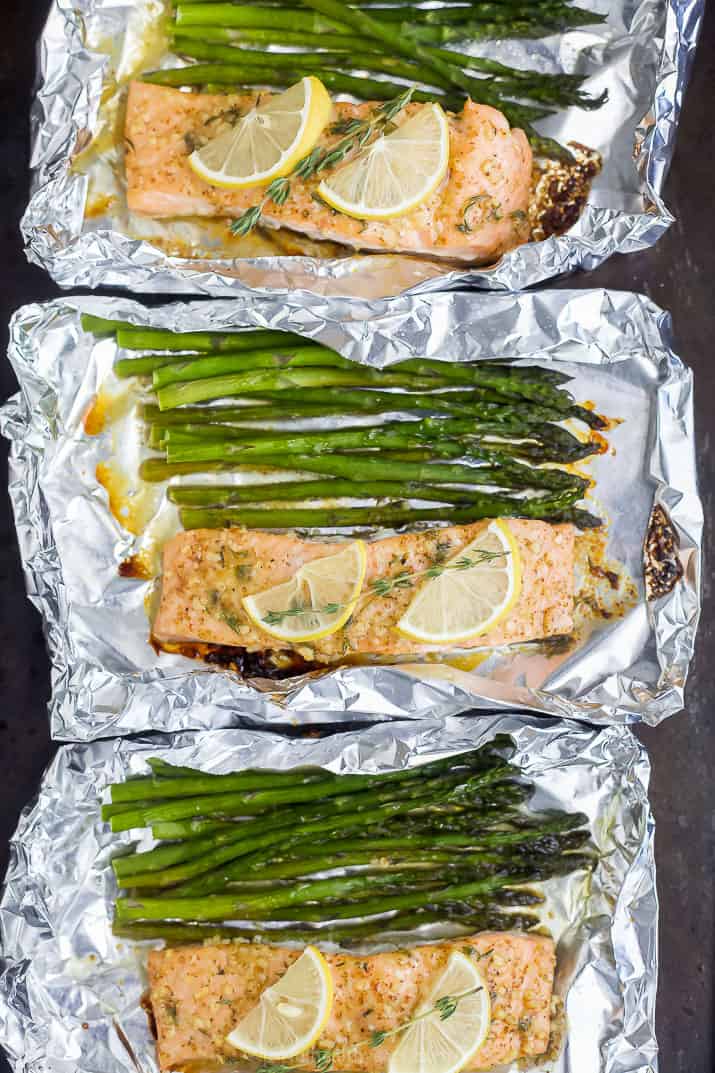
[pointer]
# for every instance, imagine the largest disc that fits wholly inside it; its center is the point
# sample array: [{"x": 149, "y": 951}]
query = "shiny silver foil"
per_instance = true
[
  {"x": 91, "y": 49},
  {"x": 108, "y": 679},
  {"x": 70, "y": 991}
]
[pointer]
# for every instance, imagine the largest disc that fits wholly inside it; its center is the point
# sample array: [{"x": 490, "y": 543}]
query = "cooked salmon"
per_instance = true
[
  {"x": 489, "y": 176},
  {"x": 199, "y": 993},
  {"x": 207, "y": 572}
]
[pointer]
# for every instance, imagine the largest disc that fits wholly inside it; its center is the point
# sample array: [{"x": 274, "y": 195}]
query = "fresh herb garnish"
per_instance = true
[
  {"x": 494, "y": 214},
  {"x": 444, "y": 1006},
  {"x": 323, "y": 1056},
  {"x": 384, "y": 586},
  {"x": 357, "y": 133}
]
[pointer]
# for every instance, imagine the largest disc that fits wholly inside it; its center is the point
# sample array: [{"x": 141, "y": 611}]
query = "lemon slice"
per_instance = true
[
  {"x": 319, "y": 599},
  {"x": 464, "y": 601},
  {"x": 268, "y": 141},
  {"x": 396, "y": 173},
  {"x": 438, "y": 1044},
  {"x": 291, "y": 1014}
]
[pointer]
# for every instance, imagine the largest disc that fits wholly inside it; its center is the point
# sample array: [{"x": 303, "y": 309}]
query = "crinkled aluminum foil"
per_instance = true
[
  {"x": 108, "y": 680},
  {"x": 69, "y": 991},
  {"x": 642, "y": 56}
]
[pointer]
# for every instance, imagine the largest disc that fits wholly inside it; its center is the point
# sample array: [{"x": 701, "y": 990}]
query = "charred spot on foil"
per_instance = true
[
  {"x": 661, "y": 562},
  {"x": 560, "y": 190}
]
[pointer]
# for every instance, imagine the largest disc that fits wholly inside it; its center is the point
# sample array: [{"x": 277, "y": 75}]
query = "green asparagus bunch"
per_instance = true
[
  {"x": 309, "y": 855},
  {"x": 404, "y": 40},
  {"x": 472, "y": 440}
]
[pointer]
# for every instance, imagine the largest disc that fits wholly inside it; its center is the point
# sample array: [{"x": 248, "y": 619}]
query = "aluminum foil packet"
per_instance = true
[
  {"x": 78, "y": 227},
  {"x": 629, "y": 656},
  {"x": 70, "y": 991}
]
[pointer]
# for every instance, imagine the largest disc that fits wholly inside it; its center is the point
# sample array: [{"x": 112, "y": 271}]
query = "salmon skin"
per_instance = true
[
  {"x": 207, "y": 572},
  {"x": 199, "y": 993},
  {"x": 489, "y": 176}
]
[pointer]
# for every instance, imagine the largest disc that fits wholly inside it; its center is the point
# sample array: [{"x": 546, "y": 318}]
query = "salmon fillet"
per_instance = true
[
  {"x": 199, "y": 993},
  {"x": 488, "y": 161},
  {"x": 206, "y": 573}
]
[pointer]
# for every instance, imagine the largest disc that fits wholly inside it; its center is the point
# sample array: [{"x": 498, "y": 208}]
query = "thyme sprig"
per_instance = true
[
  {"x": 445, "y": 1006},
  {"x": 385, "y": 586},
  {"x": 486, "y": 202},
  {"x": 357, "y": 133}
]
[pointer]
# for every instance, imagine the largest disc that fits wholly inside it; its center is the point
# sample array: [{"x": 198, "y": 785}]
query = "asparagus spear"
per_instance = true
[
  {"x": 350, "y": 43},
  {"x": 277, "y": 491},
  {"x": 395, "y": 38},
  {"x": 173, "y": 771},
  {"x": 424, "y": 860},
  {"x": 525, "y": 436},
  {"x": 269, "y": 63},
  {"x": 478, "y": 402},
  {"x": 498, "y": 898},
  {"x": 226, "y": 907},
  {"x": 392, "y": 515},
  {"x": 382, "y": 807},
  {"x": 485, "y": 89},
  {"x": 218, "y": 496},
  {"x": 365, "y": 468},
  {"x": 560, "y": 88},
  {"x": 139, "y": 865},
  {"x": 199, "y": 783},
  {"x": 483, "y": 23},
  {"x": 100, "y": 326},
  {"x": 158, "y": 469},
  {"x": 189, "y": 829},
  {"x": 219, "y": 387},
  {"x": 165, "y": 857},
  {"x": 130, "y": 337},
  {"x": 478, "y": 919},
  {"x": 256, "y": 410},
  {"x": 205, "y": 364},
  {"x": 201, "y": 880},
  {"x": 384, "y": 846},
  {"x": 270, "y": 358},
  {"x": 247, "y": 77},
  {"x": 126, "y": 368},
  {"x": 348, "y": 799},
  {"x": 209, "y": 835},
  {"x": 538, "y": 89},
  {"x": 446, "y": 439},
  {"x": 485, "y": 763},
  {"x": 250, "y": 802}
]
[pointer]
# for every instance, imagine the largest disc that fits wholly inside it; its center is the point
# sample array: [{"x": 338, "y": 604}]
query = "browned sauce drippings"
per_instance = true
[
  {"x": 273, "y": 664},
  {"x": 560, "y": 191},
  {"x": 136, "y": 566},
  {"x": 609, "y": 575},
  {"x": 661, "y": 563},
  {"x": 95, "y": 417},
  {"x": 619, "y": 593}
]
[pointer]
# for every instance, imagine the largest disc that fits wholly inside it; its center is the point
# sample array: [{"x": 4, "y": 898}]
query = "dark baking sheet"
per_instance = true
[{"x": 678, "y": 274}]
